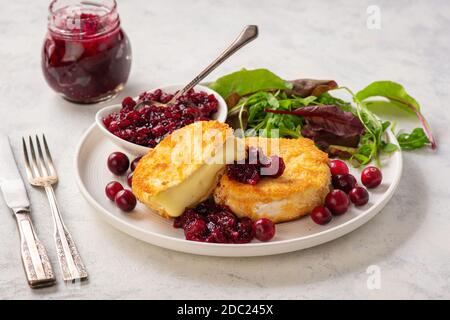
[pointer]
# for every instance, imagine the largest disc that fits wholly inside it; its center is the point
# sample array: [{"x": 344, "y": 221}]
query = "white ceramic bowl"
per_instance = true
[{"x": 220, "y": 115}]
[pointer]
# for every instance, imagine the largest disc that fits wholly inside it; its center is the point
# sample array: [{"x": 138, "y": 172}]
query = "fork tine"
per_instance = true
[
  {"x": 33, "y": 158},
  {"x": 41, "y": 157},
  {"x": 49, "y": 157},
  {"x": 27, "y": 161}
]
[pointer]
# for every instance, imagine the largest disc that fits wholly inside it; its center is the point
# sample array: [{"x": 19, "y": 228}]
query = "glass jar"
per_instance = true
[{"x": 86, "y": 55}]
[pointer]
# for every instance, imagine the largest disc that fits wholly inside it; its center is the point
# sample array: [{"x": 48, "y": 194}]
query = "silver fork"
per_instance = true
[{"x": 42, "y": 173}]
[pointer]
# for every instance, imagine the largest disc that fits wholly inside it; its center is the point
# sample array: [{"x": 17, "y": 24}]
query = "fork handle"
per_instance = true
[
  {"x": 34, "y": 256},
  {"x": 72, "y": 267}
]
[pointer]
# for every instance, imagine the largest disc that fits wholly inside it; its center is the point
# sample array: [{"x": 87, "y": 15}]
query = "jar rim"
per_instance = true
[
  {"x": 52, "y": 10},
  {"x": 63, "y": 24}
]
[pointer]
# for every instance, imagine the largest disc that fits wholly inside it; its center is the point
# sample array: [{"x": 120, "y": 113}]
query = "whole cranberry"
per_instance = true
[
  {"x": 118, "y": 163},
  {"x": 130, "y": 178},
  {"x": 279, "y": 162},
  {"x": 112, "y": 188},
  {"x": 371, "y": 177},
  {"x": 264, "y": 229},
  {"x": 128, "y": 103},
  {"x": 359, "y": 196},
  {"x": 134, "y": 163},
  {"x": 321, "y": 215},
  {"x": 125, "y": 200},
  {"x": 337, "y": 201},
  {"x": 344, "y": 182},
  {"x": 338, "y": 167}
]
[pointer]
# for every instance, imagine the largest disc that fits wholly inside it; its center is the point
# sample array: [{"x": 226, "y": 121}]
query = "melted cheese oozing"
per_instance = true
[
  {"x": 193, "y": 190},
  {"x": 201, "y": 183}
]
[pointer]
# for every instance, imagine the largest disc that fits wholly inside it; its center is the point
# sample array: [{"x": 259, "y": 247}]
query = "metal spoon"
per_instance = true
[{"x": 247, "y": 35}]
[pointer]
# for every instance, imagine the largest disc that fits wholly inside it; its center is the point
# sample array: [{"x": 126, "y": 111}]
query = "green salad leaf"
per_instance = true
[
  {"x": 261, "y": 123},
  {"x": 260, "y": 101},
  {"x": 245, "y": 81},
  {"x": 398, "y": 96},
  {"x": 414, "y": 140},
  {"x": 327, "y": 98}
]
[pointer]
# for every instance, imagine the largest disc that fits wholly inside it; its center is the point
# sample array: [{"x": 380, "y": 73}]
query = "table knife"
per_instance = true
[{"x": 36, "y": 263}]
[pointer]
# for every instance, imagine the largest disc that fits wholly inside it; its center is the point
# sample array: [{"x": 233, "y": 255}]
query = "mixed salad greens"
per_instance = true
[{"x": 261, "y": 103}]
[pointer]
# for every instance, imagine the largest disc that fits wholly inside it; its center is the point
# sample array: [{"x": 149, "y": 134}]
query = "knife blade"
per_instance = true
[
  {"x": 11, "y": 182},
  {"x": 34, "y": 256}
]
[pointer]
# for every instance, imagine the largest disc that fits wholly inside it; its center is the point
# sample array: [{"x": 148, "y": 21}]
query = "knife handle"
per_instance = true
[{"x": 34, "y": 256}]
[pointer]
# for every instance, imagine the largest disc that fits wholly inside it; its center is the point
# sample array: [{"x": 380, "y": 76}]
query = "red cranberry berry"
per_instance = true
[
  {"x": 371, "y": 177},
  {"x": 128, "y": 103},
  {"x": 130, "y": 178},
  {"x": 264, "y": 229},
  {"x": 337, "y": 201},
  {"x": 256, "y": 165},
  {"x": 244, "y": 173},
  {"x": 195, "y": 230},
  {"x": 134, "y": 163},
  {"x": 321, "y": 215},
  {"x": 344, "y": 182},
  {"x": 338, "y": 167},
  {"x": 118, "y": 163},
  {"x": 125, "y": 200},
  {"x": 359, "y": 196},
  {"x": 279, "y": 164},
  {"x": 112, "y": 188}
]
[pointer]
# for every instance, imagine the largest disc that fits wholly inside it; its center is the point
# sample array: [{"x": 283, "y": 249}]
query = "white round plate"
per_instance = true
[{"x": 92, "y": 175}]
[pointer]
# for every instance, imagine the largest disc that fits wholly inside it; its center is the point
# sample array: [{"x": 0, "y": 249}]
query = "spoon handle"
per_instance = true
[{"x": 247, "y": 35}]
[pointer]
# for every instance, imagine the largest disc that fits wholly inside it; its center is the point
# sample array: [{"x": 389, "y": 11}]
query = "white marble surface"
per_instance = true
[{"x": 409, "y": 240}]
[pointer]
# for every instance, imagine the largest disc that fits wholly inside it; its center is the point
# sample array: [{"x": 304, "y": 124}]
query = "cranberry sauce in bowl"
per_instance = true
[
  {"x": 138, "y": 125},
  {"x": 147, "y": 124},
  {"x": 86, "y": 56}
]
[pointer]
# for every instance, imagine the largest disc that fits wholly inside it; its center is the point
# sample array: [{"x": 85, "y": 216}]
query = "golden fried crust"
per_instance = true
[
  {"x": 176, "y": 158},
  {"x": 303, "y": 185}
]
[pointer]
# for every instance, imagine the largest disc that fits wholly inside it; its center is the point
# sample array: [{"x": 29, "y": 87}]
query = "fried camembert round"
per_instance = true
[
  {"x": 184, "y": 168},
  {"x": 303, "y": 185}
]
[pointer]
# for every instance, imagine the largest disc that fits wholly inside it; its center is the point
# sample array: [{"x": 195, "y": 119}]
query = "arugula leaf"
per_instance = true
[
  {"x": 296, "y": 102},
  {"x": 388, "y": 147},
  {"x": 397, "y": 94},
  {"x": 364, "y": 154},
  {"x": 261, "y": 123},
  {"x": 371, "y": 142},
  {"x": 244, "y": 82},
  {"x": 414, "y": 140},
  {"x": 327, "y": 98}
]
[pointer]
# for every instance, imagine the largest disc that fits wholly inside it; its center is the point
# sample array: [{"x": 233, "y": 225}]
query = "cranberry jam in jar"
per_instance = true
[{"x": 86, "y": 55}]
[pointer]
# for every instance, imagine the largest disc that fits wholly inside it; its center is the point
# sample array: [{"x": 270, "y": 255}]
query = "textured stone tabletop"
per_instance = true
[{"x": 408, "y": 242}]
